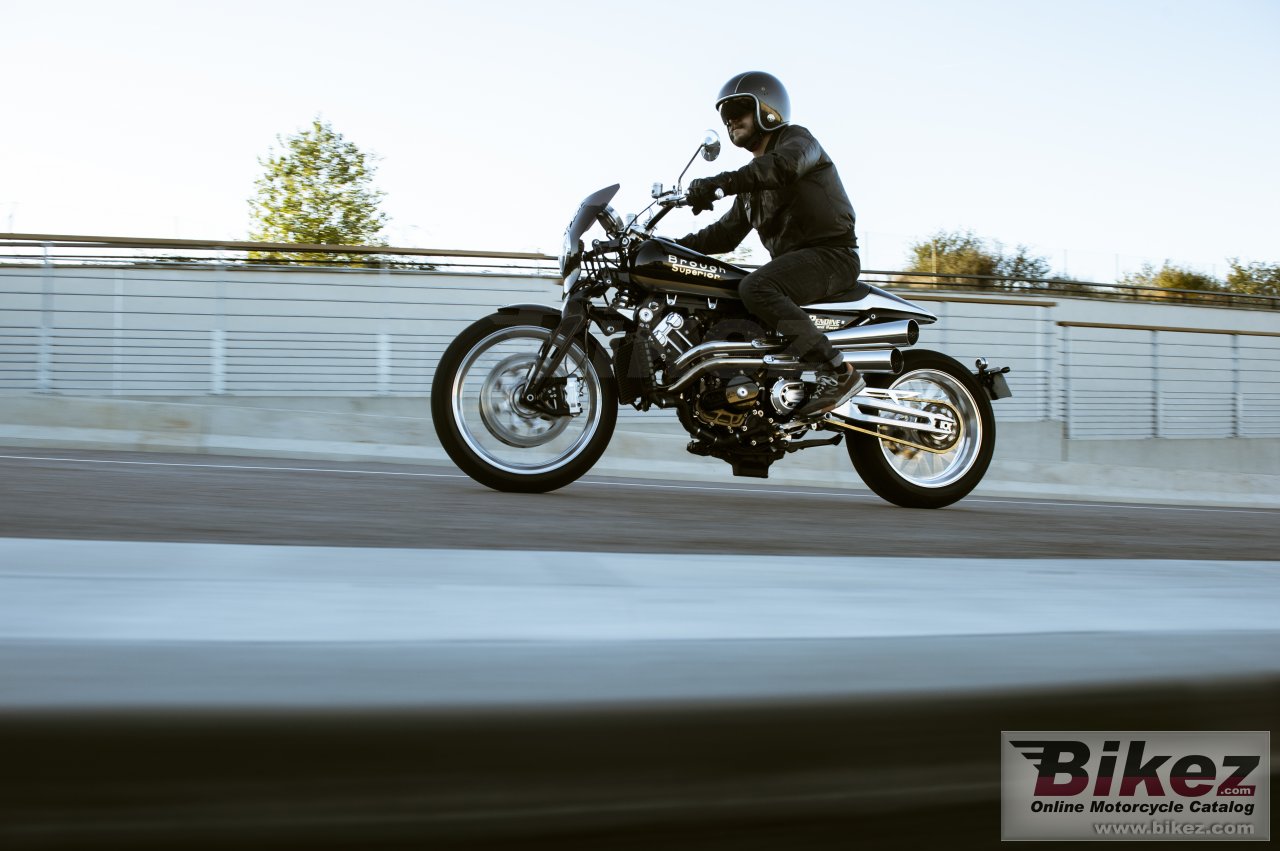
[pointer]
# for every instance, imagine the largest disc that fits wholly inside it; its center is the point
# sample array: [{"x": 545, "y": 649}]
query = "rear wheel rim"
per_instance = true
[{"x": 935, "y": 469}]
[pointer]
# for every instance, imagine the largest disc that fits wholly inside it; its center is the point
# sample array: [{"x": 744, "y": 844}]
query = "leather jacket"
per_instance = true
[{"x": 791, "y": 195}]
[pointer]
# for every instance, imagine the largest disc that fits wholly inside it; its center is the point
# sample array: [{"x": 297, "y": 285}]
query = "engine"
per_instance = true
[
  {"x": 739, "y": 412},
  {"x": 662, "y": 334},
  {"x": 733, "y": 409},
  {"x": 727, "y": 403},
  {"x": 729, "y": 400}
]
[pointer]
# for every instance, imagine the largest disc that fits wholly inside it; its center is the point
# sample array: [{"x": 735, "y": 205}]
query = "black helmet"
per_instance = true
[{"x": 773, "y": 107}]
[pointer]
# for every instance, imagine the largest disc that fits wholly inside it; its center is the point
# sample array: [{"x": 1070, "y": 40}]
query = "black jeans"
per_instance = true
[{"x": 774, "y": 292}]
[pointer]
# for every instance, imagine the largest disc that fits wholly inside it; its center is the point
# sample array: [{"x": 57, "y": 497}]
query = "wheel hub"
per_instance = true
[
  {"x": 934, "y": 440},
  {"x": 504, "y": 412}
]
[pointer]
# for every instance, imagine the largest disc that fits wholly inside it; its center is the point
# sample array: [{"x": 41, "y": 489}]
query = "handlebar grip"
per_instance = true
[{"x": 683, "y": 200}]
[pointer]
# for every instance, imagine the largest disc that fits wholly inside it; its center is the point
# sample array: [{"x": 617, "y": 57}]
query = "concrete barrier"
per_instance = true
[{"x": 1033, "y": 459}]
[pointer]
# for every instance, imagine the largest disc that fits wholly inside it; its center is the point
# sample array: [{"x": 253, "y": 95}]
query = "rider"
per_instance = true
[{"x": 791, "y": 194}]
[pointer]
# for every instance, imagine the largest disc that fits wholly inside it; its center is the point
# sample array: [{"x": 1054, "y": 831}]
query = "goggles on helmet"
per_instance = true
[{"x": 735, "y": 108}]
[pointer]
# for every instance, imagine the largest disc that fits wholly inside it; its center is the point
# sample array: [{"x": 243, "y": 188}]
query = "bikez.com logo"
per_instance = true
[
  {"x": 1098, "y": 785},
  {"x": 1063, "y": 770},
  {"x": 689, "y": 267}
]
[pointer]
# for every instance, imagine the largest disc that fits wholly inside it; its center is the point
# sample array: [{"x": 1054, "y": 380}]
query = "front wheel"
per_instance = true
[
  {"x": 919, "y": 470},
  {"x": 484, "y": 425}
]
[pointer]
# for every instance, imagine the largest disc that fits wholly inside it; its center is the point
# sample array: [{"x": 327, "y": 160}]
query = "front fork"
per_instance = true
[{"x": 544, "y": 391}]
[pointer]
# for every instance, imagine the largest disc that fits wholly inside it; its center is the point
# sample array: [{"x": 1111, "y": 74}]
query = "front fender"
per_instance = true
[
  {"x": 549, "y": 317},
  {"x": 540, "y": 309}
]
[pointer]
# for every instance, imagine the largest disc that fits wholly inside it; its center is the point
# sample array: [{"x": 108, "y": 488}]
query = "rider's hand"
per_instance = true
[{"x": 702, "y": 192}]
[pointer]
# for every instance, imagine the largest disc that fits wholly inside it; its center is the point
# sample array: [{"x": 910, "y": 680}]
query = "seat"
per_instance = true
[{"x": 859, "y": 290}]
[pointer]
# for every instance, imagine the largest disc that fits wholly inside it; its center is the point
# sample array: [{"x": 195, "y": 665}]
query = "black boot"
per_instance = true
[{"x": 835, "y": 385}]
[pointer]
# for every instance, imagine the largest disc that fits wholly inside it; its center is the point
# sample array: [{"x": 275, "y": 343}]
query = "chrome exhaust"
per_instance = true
[
  {"x": 864, "y": 360},
  {"x": 713, "y": 363},
  {"x": 755, "y": 348},
  {"x": 875, "y": 360},
  {"x": 904, "y": 332}
]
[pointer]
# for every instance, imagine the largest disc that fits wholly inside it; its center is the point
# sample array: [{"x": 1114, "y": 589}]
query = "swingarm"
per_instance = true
[{"x": 937, "y": 417}]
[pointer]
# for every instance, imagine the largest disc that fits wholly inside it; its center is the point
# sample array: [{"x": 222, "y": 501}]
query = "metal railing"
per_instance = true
[
  {"x": 1136, "y": 381},
  {"x": 1065, "y": 288},
  {"x": 146, "y": 318},
  {"x": 25, "y": 249}
]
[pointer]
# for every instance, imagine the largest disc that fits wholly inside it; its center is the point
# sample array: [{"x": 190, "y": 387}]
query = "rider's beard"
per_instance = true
[{"x": 749, "y": 141}]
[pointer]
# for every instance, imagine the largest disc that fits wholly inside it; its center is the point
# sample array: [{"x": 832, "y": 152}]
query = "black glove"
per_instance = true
[{"x": 701, "y": 194}]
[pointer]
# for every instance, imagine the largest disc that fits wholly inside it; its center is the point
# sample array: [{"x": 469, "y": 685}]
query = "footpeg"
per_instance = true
[
  {"x": 796, "y": 446},
  {"x": 699, "y": 447}
]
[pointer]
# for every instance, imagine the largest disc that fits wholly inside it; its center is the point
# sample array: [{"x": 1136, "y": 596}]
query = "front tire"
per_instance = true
[
  {"x": 917, "y": 477},
  {"x": 490, "y": 435}
]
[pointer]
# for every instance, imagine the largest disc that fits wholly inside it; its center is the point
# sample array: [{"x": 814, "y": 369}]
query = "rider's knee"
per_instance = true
[{"x": 755, "y": 289}]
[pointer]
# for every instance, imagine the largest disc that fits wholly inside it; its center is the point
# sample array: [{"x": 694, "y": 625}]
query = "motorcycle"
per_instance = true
[{"x": 526, "y": 399}]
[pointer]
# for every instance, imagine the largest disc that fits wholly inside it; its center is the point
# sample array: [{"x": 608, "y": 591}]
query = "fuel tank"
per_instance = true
[{"x": 670, "y": 267}]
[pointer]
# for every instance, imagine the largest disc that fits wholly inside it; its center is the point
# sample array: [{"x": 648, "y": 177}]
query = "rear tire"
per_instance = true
[
  {"x": 490, "y": 435},
  {"x": 916, "y": 478}
]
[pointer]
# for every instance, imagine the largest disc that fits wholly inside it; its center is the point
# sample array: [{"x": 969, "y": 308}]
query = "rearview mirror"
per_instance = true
[{"x": 711, "y": 146}]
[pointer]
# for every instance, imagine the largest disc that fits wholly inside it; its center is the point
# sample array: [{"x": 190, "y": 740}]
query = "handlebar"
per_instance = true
[
  {"x": 668, "y": 201},
  {"x": 682, "y": 199}
]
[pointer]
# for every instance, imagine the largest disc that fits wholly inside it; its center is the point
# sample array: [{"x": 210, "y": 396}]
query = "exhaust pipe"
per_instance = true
[
  {"x": 753, "y": 349},
  {"x": 904, "y": 332},
  {"x": 875, "y": 360},
  {"x": 864, "y": 360}
]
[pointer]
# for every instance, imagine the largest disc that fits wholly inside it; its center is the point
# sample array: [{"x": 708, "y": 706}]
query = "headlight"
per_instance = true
[
  {"x": 570, "y": 255},
  {"x": 610, "y": 221}
]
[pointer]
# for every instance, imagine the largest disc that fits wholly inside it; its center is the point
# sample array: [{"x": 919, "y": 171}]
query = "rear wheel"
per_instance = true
[
  {"x": 484, "y": 424},
  {"x": 921, "y": 470}
]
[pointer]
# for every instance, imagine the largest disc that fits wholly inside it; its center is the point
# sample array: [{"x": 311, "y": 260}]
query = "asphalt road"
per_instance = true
[
  {"x": 196, "y": 580},
  {"x": 403, "y": 657},
  {"x": 165, "y": 497}
]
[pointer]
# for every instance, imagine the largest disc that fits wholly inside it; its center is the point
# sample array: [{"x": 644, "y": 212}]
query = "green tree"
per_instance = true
[
  {"x": 1254, "y": 278},
  {"x": 318, "y": 190},
  {"x": 1171, "y": 277},
  {"x": 1022, "y": 265},
  {"x": 949, "y": 253},
  {"x": 952, "y": 253}
]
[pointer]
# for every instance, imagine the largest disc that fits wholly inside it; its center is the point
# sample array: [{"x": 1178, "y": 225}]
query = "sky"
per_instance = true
[{"x": 1101, "y": 135}]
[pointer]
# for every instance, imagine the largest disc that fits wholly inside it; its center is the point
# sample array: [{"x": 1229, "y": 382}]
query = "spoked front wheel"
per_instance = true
[
  {"x": 917, "y": 469},
  {"x": 489, "y": 428}
]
